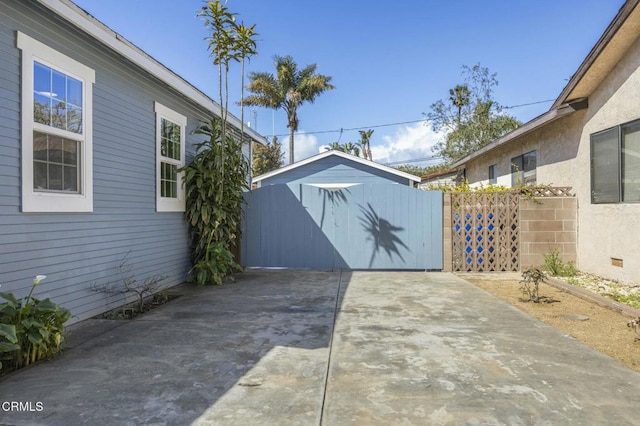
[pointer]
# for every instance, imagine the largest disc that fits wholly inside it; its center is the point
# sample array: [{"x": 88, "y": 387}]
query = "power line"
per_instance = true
[
  {"x": 341, "y": 130},
  {"x": 376, "y": 126},
  {"x": 415, "y": 160},
  {"x": 419, "y": 160},
  {"x": 530, "y": 103}
]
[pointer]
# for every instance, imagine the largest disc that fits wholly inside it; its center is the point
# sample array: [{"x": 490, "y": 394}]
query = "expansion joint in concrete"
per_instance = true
[{"x": 333, "y": 328}]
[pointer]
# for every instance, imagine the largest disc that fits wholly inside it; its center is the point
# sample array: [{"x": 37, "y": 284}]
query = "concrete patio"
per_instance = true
[{"x": 332, "y": 348}]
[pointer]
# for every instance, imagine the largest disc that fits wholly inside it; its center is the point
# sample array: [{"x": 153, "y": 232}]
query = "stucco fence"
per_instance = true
[{"x": 486, "y": 232}]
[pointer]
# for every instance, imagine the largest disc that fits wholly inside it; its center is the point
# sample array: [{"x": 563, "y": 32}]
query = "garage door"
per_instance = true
[{"x": 366, "y": 226}]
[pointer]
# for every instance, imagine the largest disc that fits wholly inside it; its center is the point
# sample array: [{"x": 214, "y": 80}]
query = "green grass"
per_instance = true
[{"x": 632, "y": 300}]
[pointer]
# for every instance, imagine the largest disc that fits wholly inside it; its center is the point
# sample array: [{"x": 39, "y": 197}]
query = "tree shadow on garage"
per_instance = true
[{"x": 382, "y": 233}]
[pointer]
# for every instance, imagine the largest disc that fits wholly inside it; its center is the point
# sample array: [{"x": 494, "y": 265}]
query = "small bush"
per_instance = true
[
  {"x": 531, "y": 278},
  {"x": 129, "y": 284},
  {"x": 526, "y": 190},
  {"x": 556, "y": 267},
  {"x": 30, "y": 329}
]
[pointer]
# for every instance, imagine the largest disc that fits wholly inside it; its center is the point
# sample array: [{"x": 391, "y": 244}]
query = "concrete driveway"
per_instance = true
[{"x": 332, "y": 348}]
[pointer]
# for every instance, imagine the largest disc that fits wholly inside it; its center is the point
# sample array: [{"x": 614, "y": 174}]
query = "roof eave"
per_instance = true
[
  {"x": 536, "y": 123},
  {"x": 438, "y": 174},
  {"x": 597, "y": 49}
]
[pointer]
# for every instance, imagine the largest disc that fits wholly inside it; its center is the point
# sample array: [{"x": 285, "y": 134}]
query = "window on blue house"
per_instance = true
[
  {"x": 170, "y": 149},
  {"x": 57, "y": 163}
]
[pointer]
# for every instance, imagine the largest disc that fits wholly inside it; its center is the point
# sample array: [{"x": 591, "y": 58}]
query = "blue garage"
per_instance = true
[{"x": 338, "y": 211}]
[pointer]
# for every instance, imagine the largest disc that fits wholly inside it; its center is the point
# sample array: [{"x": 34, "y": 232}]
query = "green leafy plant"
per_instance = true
[
  {"x": 219, "y": 265},
  {"x": 557, "y": 267},
  {"x": 215, "y": 181},
  {"x": 531, "y": 278},
  {"x": 470, "y": 118},
  {"x": 528, "y": 191},
  {"x": 267, "y": 157},
  {"x": 8, "y": 342},
  {"x": 464, "y": 187},
  {"x": 632, "y": 300},
  {"x": 31, "y": 329},
  {"x": 216, "y": 178}
]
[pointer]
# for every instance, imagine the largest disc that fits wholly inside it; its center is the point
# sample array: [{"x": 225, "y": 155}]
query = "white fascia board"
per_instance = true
[
  {"x": 105, "y": 35},
  {"x": 341, "y": 154}
]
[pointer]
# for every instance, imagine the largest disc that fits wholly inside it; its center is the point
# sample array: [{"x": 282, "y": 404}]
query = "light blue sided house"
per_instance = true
[
  {"x": 92, "y": 132},
  {"x": 339, "y": 211}
]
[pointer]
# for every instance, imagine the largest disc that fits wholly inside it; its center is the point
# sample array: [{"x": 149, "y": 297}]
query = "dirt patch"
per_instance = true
[
  {"x": 605, "y": 330},
  {"x": 134, "y": 309}
]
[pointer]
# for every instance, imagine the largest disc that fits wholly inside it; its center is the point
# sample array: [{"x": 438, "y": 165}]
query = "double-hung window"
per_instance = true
[
  {"x": 615, "y": 165},
  {"x": 57, "y": 164},
  {"x": 523, "y": 169},
  {"x": 170, "y": 151}
]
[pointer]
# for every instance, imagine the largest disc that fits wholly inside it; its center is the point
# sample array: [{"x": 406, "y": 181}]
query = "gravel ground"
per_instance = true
[
  {"x": 601, "y": 328},
  {"x": 629, "y": 294}
]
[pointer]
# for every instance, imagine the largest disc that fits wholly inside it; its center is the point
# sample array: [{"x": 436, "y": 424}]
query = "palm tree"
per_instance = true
[
  {"x": 351, "y": 148},
  {"x": 365, "y": 142},
  {"x": 336, "y": 146},
  {"x": 288, "y": 89},
  {"x": 460, "y": 97}
]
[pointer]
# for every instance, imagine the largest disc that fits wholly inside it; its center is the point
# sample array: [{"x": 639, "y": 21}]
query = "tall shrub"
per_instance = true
[
  {"x": 216, "y": 177},
  {"x": 215, "y": 180}
]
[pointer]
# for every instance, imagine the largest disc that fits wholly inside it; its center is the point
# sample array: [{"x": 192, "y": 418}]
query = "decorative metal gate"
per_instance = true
[{"x": 485, "y": 232}]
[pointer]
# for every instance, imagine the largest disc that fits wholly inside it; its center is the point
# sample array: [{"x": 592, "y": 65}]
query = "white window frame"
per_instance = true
[
  {"x": 168, "y": 204},
  {"x": 55, "y": 202}
]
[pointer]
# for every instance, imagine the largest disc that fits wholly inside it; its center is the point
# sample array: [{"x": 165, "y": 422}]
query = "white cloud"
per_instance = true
[
  {"x": 407, "y": 143},
  {"x": 304, "y": 146}
]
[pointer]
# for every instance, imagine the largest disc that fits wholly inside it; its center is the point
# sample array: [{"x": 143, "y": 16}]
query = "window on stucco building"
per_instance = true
[
  {"x": 493, "y": 177},
  {"x": 615, "y": 164},
  {"x": 523, "y": 169}
]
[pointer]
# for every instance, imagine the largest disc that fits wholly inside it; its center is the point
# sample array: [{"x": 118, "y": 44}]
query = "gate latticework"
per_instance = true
[{"x": 485, "y": 232}]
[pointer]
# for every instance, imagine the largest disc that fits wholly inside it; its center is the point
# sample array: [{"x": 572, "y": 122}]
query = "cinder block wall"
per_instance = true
[{"x": 546, "y": 224}]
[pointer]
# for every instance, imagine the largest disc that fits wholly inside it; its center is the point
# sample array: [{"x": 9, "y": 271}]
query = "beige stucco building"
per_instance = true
[{"x": 588, "y": 140}]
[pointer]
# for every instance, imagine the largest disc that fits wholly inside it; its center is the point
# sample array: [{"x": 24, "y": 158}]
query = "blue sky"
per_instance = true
[{"x": 389, "y": 60}]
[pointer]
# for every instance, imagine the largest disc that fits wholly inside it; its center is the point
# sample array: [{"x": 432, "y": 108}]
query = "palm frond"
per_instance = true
[
  {"x": 313, "y": 86},
  {"x": 260, "y": 100},
  {"x": 307, "y": 72}
]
